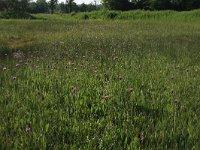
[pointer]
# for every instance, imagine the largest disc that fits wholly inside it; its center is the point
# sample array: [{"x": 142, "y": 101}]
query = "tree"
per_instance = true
[
  {"x": 161, "y": 4},
  {"x": 41, "y": 6},
  {"x": 196, "y": 4},
  {"x": 62, "y": 7},
  {"x": 3, "y": 5},
  {"x": 141, "y": 4},
  {"x": 14, "y": 5},
  {"x": 87, "y": 7},
  {"x": 117, "y": 4},
  {"x": 69, "y": 4},
  {"x": 32, "y": 7},
  {"x": 52, "y": 5}
]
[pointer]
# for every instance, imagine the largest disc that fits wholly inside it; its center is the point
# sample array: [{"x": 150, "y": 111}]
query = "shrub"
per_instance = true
[
  {"x": 16, "y": 15},
  {"x": 111, "y": 15},
  {"x": 85, "y": 17}
]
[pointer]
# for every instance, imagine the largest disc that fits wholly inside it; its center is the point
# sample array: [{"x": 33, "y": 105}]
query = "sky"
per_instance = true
[{"x": 81, "y": 1}]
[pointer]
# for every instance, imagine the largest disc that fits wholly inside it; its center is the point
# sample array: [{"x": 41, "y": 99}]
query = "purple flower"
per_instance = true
[
  {"x": 28, "y": 129},
  {"x": 106, "y": 97},
  {"x": 130, "y": 90}
]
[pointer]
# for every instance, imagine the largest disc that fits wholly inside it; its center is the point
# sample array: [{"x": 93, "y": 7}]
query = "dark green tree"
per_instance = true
[
  {"x": 14, "y": 5},
  {"x": 141, "y": 4},
  {"x": 196, "y": 4},
  {"x": 52, "y": 5},
  {"x": 117, "y": 4},
  {"x": 41, "y": 6},
  {"x": 161, "y": 4},
  {"x": 62, "y": 7},
  {"x": 185, "y": 4},
  {"x": 87, "y": 7},
  {"x": 69, "y": 5},
  {"x": 3, "y": 5}
]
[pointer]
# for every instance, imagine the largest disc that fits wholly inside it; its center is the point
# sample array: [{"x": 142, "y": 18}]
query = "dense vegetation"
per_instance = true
[
  {"x": 100, "y": 84},
  {"x": 131, "y": 15},
  {"x": 43, "y": 6},
  {"x": 51, "y": 6},
  {"x": 152, "y": 4}
]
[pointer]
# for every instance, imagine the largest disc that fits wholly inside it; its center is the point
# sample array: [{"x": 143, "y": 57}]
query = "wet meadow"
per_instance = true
[{"x": 99, "y": 84}]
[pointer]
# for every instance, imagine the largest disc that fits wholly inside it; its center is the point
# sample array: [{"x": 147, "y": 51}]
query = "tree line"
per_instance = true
[
  {"x": 179, "y": 5},
  {"x": 52, "y": 6},
  {"x": 44, "y": 6}
]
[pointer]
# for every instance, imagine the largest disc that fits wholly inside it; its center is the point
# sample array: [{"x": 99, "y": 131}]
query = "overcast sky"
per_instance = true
[{"x": 80, "y": 1}]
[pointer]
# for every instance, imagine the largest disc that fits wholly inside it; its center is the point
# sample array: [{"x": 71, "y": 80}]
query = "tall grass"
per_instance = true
[
  {"x": 129, "y": 15},
  {"x": 122, "y": 84}
]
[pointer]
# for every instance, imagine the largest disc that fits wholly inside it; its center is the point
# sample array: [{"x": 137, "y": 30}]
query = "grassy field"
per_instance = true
[{"x": 100, "y": 84}]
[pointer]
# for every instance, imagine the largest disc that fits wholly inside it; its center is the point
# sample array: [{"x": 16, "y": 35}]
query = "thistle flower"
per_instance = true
[
  {"x": 28, "y": 129},
  {"x": 74, "y": 90},
  {"x": 97, "y": 77},
  {"x": 120, "y": 78},
  {"x": 106, "y": 97},
  {"x": 130, "y": 90},
  {"x": 141, "y": 138},
  {"x": 177, "y": 66},
  {"x": 115, "y": 58},
  {"x": 176, "y": 103},
  {"x": 4, "y": 68},
  {"x": 41, "y": 134},
  {"x": 82, "y": 66},
  {"x": 172, "y": 91}
]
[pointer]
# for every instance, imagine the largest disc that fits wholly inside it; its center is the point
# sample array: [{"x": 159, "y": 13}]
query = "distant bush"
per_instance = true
[
  {"x": 111, "y": 15},
  {"x": 126, "y": 15},
  {"x": 73, "y": 13},
  {"x": 16, "y": 15},
  {"x": 85, "y": 16},
  {"x": 139, "y": 14}
]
